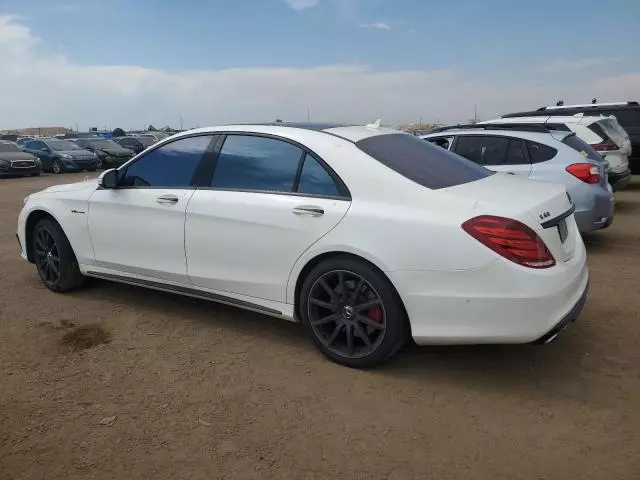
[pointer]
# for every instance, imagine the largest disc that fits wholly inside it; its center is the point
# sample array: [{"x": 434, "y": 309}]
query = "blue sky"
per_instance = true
[{"x": 506, "y": 43}]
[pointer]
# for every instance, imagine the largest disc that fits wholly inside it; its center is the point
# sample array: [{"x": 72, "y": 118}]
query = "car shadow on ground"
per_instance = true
[{"x": 480, "y": 366}]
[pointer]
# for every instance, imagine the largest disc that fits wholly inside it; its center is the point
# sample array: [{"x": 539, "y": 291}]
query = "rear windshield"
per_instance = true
[
  {"x": 582, "y": 147},
  {"x": 419, "y": 160}
]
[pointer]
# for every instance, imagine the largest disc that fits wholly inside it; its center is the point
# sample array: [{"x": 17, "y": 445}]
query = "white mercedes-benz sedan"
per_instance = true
[{"x": 367, "y": 236}]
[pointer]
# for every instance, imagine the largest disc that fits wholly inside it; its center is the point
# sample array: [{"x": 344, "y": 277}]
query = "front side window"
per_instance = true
[
  {"x": 256, "y": 163},
  {"x": 171, "y": 165},
  {"x": 315, "y": 180},
  {"x": 483, "y": 149},
  {"x": 421, "y": 162}
]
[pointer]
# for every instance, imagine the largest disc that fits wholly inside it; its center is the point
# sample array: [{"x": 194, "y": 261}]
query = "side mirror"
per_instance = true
[{"x": 108, "y": 179}]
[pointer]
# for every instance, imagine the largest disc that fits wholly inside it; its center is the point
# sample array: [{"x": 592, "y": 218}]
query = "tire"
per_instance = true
[
  {"x": 370, "y": 308},
  {"x": 56, "y": 167},
  {"x": 49, "y": 243},
  {"x": 99, "y": 165}
]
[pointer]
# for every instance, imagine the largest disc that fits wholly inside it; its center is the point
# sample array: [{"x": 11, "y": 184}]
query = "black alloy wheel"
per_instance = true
[
  {"x": 352, "y": 312},
  {"x": 55, "y": 260},
  {"x": 56, "y": 167},
  {"x": 47, "y": 256}
]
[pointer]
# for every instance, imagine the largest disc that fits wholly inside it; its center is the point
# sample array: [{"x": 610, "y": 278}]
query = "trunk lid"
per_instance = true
[{"x": 543, "y": 206}]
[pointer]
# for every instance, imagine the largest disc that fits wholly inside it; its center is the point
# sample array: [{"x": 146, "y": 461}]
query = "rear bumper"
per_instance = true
[
  {"x": 501, "y": 303},
  {"x": 596, "y": 214},
  {"x": 619, "y": 180},
  {"x": 569, "y": 318}
]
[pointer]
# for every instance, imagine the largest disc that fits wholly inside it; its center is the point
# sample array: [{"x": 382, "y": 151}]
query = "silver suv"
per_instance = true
[{"x": 538, "y": 154}]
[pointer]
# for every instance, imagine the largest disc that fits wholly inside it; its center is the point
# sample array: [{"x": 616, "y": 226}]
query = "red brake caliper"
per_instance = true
[{"x": 375, "y": 313}]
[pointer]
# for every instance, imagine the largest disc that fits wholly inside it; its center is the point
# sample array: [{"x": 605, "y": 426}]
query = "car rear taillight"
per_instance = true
[
  {"x": 605, "y": 146},
  {"x": 511, "y": 239},
  {"x": 586, "y": 172}
]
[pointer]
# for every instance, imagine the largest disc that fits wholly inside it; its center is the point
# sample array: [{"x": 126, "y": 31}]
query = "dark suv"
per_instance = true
[{"x": 627, "y": 113}]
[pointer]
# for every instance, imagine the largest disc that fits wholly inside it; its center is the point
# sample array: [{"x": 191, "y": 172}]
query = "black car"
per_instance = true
[
  {"x": 137, "y": 144},
  {"x": 627, "y": 114},
  {"x": 110, "y": 154},
  {"x": 14, "y": 161},
  {"x": 61, "y": 155}
]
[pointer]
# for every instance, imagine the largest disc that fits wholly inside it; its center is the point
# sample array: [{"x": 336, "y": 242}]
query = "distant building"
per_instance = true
[{"x": 39, "y": 131}]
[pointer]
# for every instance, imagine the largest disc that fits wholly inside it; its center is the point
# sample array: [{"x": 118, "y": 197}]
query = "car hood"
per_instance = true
[{"x": 12, "y": 156}]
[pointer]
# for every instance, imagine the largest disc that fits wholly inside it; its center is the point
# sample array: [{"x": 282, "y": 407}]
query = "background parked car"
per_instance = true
[
  {"x": 157, "y": 136},
  {"x": 110, "y": 154},
  {"x": 604, "y": 134},
  {"x": 627, "y": 114},
  {"x": 59, "y": 155},
  {"x": 14, "y": 161},
  {"x": 538, "y": 154},
  {"x": 137, "y": 144},
  {"x": 22, "y": 140}
]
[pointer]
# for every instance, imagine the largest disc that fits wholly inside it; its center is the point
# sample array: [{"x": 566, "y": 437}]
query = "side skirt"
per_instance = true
[{"x": 190, "y": 292}]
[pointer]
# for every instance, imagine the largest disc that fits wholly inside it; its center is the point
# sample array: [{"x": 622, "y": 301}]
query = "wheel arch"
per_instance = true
[
  {"x": 312, "y": 262},
  {"x": 30, "y": 224}
]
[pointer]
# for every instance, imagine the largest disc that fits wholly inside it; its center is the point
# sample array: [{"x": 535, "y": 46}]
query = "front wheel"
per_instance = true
[
  {"x": 55, "y": 261},
  {"x": 352, "y": 313},
  {"x": 56, "y": 167}
]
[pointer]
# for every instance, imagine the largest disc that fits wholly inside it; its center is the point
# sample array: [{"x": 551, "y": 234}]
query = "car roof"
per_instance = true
[
  {"x": 297, "y": 131},
  {"x": 541, "y": 137},
  {"x": 578, "y": 118}
]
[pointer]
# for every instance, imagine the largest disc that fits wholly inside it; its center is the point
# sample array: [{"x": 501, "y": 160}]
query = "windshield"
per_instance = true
[
  {"x": 146, "y": 141},
  {"x": 421, "y": 161},
  {"x": 62, "y": 145},
  {"x": 101, "y": 144},
  {"x": 583, "y": 147},
  {"x": 7, "y": 147}
]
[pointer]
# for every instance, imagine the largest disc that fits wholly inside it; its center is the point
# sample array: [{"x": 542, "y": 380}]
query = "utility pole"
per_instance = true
[
  {"x": 180, "y": 122},
  {"x": 308, "y": 113},
  {"x": 475, "y": 113}
]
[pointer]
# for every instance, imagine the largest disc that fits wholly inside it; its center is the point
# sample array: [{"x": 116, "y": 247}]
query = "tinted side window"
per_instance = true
[
  {"x": 539, "y": 152},
  {"x": 426, "y": 164},
  {"x": 171, "y": 165},
  {"x": 483, "y": 149},
  {"x": 315, "y": 180},
  {"x": 558, "y": 126},
  {"x": 444, "y": 142},
  {"x": 597, "y": 129},
  {"x": 515, "y": 153},
  {"x": 256, "y": 163}
]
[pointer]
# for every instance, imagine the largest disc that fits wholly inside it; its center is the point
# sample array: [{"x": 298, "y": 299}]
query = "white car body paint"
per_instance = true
[{"x": 248, "y": 249}]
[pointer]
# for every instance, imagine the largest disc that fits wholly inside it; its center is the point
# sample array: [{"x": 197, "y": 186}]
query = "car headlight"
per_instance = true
[{"x": 64, "y": 155}]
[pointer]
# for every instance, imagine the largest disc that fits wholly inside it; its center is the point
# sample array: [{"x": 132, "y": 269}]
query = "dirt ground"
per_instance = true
[{"x": 202, "y": 391}]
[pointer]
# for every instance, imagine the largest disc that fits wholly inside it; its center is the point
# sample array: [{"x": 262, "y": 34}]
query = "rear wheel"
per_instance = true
[
  {"x": 55, "y": 261},
  {"x": 352, "y": 312}
]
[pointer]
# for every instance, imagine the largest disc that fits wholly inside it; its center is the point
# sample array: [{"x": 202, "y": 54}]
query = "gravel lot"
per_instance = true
[{"x": 200, "y": 390}]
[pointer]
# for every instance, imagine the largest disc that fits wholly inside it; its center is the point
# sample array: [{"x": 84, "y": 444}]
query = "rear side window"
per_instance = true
[
  {"x": 515, "y": 153},
  {"x": 539, "y": 152},
  {"x": 315, "y": 180},
  {"x": 256, "y": 163},
  {"x": 444, "y": 142},
  {"x": 426, "y": 164},
  {"x": 582, "y": 147}
]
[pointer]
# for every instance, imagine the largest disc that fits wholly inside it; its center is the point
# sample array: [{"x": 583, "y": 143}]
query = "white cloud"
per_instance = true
[
  {"x": 301, "y": 4},
  {"x": 376, "y": 25},
  {"x": 39, "y": 89}
]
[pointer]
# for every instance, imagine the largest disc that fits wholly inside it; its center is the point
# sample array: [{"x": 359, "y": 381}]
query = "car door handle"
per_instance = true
[
  {"x": 167, "y": 199},
  {"x": 310, "y": 210}
]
